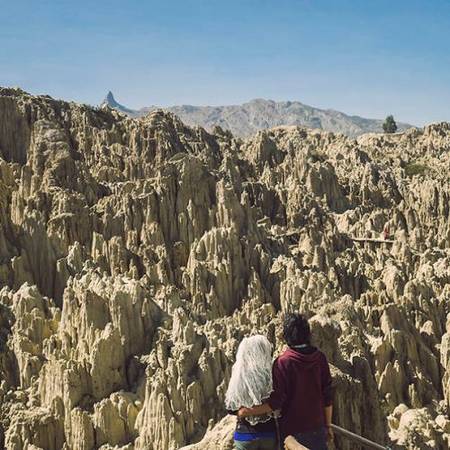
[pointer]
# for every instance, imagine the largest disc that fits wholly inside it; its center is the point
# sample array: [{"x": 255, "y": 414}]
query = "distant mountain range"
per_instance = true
[{"x": 246, "y": 119}]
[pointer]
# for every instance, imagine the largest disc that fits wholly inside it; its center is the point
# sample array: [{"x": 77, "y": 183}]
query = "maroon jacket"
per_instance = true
[{"x": 302, "y": 387}]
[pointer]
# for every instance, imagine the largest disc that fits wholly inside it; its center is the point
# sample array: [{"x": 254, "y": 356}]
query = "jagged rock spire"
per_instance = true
[
  {"x": 110, "y": 100},
  {"x": 113, "y": 103}
]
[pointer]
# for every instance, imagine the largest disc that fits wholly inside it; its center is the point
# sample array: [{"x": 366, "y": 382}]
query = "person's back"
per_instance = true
[
  {"x": 302, "y": 389},
  {"x": 250, "y": 385}
]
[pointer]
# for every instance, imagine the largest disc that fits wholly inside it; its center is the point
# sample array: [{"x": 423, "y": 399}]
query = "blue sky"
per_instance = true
[{"x": 366, "y": 57}]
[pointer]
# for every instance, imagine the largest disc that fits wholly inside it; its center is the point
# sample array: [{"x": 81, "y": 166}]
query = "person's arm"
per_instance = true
[
  {"x": 276, "y": 399},
  {"x": 326, "y": 382},
  {"x": 280, "y": 386},
  {"x": 328, "y": 417},
  {"x": 327, "y": 392},
  {"x": 255, "y": 410}
]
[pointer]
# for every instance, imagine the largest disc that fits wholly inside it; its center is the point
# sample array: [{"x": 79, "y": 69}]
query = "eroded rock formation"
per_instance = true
[{"x": 136, "y": 253}]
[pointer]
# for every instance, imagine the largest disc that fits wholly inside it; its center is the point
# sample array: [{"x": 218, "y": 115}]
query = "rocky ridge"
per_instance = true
[
  {"x": 259, "y": 114},
  {"x": 136, "y": 253}
]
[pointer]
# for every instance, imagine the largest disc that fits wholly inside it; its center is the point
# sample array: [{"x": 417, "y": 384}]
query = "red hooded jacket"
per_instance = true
[{"x": 302, "y": 387}]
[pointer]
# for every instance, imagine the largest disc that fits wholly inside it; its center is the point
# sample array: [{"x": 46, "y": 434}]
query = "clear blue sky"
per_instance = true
[{"x": 366, "y": 57}]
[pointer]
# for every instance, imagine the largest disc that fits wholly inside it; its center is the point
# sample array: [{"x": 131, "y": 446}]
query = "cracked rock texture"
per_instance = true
[{"x": 136, "y": 253}]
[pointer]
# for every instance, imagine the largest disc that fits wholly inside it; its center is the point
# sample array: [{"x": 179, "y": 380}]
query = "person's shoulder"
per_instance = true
[
  {"x": 322, "y": 356},
  {"x": 288, "y": 357},
  {"x": 282, "y": 358}
]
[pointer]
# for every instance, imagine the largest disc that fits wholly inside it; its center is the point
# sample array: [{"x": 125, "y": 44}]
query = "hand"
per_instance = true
[
  {"x": 330, "y": 434},
  {"x": 242, "y": 412}
]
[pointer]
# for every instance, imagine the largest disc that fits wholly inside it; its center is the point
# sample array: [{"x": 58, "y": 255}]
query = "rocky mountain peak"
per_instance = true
[
  {"x": 110, "y": 100},
  {"x": 247, "y": 118},
  {"x": 113, "y": 103}
]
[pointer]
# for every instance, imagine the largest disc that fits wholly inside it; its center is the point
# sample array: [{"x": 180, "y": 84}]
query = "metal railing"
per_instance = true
[
  {"x": 356, "y": 438},
  {"x": 292, "y": 444}
]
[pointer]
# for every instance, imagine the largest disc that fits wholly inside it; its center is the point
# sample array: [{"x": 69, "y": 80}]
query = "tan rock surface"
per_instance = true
[{"x": 136, "y": 253}]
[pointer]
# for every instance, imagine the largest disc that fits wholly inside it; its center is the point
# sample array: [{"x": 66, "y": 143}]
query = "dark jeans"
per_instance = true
[
  {"x": 256, "y": 444},
  {"x": 314, "y": 440}
]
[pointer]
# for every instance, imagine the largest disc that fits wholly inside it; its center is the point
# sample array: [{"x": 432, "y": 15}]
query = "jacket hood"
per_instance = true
[{"x": 307, "y": 360}]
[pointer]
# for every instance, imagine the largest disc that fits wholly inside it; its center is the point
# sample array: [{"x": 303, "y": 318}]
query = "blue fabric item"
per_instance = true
[{"x": 252, "y": 436}]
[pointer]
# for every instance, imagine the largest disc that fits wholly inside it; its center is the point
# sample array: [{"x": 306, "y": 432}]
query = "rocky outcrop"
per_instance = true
[{"x": 135, "y": 254}]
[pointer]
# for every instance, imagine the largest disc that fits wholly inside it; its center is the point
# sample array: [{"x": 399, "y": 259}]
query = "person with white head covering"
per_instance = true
[{"x": 251, "y": 385}]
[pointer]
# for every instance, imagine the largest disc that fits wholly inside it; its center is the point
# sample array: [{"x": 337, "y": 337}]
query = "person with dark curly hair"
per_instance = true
[{"x": 302, "y": 388}]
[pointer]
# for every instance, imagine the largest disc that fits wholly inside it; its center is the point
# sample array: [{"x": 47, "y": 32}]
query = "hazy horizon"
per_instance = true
[
  {"x": 137, "y": 108},
  {"x": 359, "y": 58}
]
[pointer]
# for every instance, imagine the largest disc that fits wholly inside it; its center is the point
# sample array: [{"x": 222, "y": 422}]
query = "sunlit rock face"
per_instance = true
[{"x": 136, "y": 253}]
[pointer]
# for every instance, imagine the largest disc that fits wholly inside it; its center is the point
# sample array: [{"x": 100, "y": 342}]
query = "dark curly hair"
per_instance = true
[{"x": 296, "y": 330}]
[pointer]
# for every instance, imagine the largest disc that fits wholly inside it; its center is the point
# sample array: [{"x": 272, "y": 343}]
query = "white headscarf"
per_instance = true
[{"x": 251, "y": 376}]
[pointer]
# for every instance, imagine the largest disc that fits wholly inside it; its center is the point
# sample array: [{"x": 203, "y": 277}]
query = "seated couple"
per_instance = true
[{"x": 292, "y": 397}]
